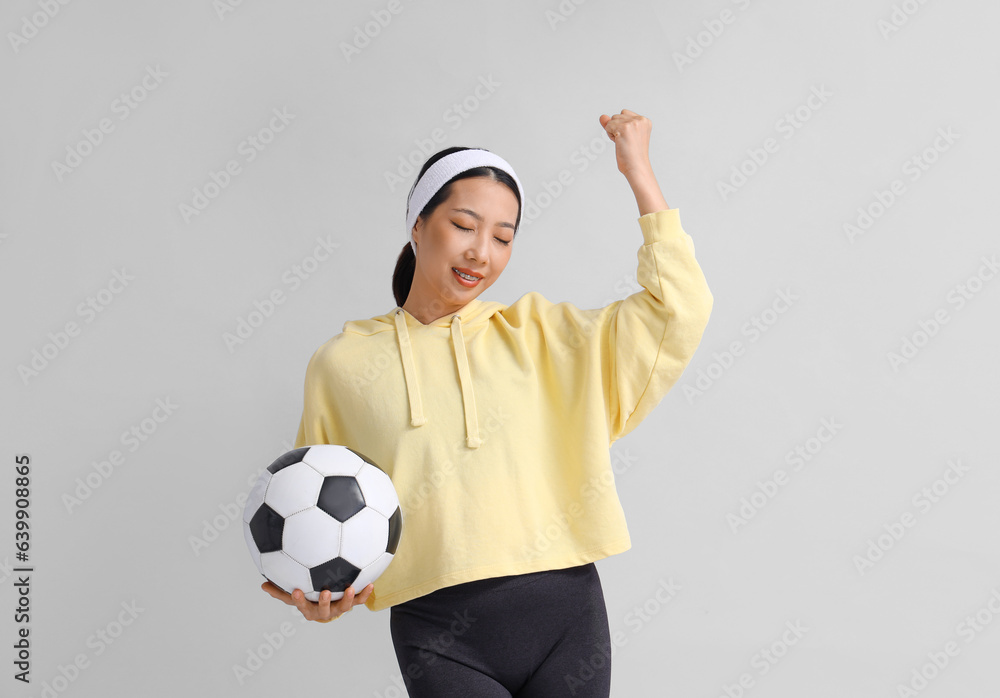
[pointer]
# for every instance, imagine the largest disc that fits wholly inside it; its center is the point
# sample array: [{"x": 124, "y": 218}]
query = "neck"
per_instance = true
[{"x": 426, "y": 313}]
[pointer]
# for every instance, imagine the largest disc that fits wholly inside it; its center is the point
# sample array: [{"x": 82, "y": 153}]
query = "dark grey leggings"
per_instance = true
[{"x": 527, "y": 635}]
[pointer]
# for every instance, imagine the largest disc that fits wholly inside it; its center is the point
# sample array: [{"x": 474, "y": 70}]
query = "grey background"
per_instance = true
[{"x": 826, "y": 356}]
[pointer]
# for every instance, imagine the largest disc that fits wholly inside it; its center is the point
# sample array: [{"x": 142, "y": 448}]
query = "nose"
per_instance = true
[{"x": 478, "y": 249}]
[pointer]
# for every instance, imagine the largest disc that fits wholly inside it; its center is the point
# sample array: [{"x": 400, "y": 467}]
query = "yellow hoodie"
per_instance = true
[{"x": 495, "y": 422}]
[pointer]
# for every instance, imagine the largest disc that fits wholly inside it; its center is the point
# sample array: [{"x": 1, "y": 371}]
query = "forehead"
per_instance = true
[{"x": 483, "y": 195}]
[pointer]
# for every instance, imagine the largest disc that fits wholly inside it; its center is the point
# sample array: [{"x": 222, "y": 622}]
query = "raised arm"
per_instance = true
[{"x": 630, "y": 134}]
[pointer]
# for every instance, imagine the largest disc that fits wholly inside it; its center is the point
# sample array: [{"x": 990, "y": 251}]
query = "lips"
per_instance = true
[{"x": 462, "y": 280}]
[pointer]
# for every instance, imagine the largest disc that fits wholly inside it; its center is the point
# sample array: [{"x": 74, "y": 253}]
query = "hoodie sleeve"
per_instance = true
[
  {"x": 319, "y": 421},
  {"x": 640, "y": 344}
]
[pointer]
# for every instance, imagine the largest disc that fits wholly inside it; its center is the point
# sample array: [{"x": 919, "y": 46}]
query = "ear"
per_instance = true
[{"x": 417, "y": 229}]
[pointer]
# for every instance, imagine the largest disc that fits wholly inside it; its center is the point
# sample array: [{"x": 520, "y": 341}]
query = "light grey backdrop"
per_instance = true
[{"x": 835, "y": 163}]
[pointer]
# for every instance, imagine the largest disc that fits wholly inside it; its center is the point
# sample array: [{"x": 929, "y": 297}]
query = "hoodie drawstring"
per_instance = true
[
  {"x": 409, "y": 372},
  {"x": 417, "y": 418},
  {"x": 471, "y": 421}
]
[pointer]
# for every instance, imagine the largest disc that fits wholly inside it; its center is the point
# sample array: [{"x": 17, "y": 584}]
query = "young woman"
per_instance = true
[{"x": 494, "y": 423}]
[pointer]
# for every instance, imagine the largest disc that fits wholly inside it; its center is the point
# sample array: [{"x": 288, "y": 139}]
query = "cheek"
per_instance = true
[{"x": 504, "y": 260}]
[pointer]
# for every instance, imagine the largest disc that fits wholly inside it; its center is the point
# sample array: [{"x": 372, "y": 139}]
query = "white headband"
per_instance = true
[{"x": 444, "y": 169}]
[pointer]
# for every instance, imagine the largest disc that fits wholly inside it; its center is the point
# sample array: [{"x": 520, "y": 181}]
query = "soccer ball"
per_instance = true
[{"x": 322, "y": 517}]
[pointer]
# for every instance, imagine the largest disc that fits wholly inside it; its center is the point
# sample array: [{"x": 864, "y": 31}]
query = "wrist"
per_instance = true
[
  {"x": 648, "y": 196},
  {"x": 641, "y": 176}
]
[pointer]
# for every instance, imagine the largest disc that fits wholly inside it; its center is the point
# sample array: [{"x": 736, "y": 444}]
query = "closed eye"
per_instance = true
[{"x": 500, "y": 240}]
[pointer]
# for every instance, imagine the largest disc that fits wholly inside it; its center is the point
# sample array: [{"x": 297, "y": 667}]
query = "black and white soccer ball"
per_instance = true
[{"x": 322, "y": 517}]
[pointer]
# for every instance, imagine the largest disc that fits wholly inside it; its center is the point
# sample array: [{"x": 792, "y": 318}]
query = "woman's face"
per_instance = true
[{"x": 473, "y": 231}]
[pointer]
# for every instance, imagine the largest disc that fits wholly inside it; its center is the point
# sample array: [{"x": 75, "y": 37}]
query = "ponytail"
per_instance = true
[{"x": 402, "y": 276}]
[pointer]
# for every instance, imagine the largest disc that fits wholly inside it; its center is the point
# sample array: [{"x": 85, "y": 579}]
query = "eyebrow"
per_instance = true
[{"x": 480, "y": 218}]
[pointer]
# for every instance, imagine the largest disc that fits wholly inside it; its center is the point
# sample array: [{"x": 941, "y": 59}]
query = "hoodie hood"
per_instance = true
[{"x": 473, "y": 314}]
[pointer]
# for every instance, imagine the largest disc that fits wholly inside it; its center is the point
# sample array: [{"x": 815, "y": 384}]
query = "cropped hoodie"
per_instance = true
[{"x": 495, "y": 422}]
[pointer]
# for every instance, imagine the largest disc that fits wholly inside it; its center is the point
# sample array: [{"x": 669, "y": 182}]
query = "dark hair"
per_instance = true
[{"x": 402, "y": 276}]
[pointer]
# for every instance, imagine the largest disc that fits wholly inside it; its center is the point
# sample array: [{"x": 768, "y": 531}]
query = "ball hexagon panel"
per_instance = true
[
  {"x": 362, "y": 456},
  {"x": 365, "y": 536},
  {"x": 378, "y": 491},
  {"x": 289, "y": 574},
  {"x": 372, "y": 572},
  {"x": 293, "y": 489},
  {"x": 311, "y": 537},
  {"x": 334, "y": 460}
]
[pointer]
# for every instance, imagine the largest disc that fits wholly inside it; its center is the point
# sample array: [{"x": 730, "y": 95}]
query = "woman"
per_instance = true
[{"x": 494, "y": 423}]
